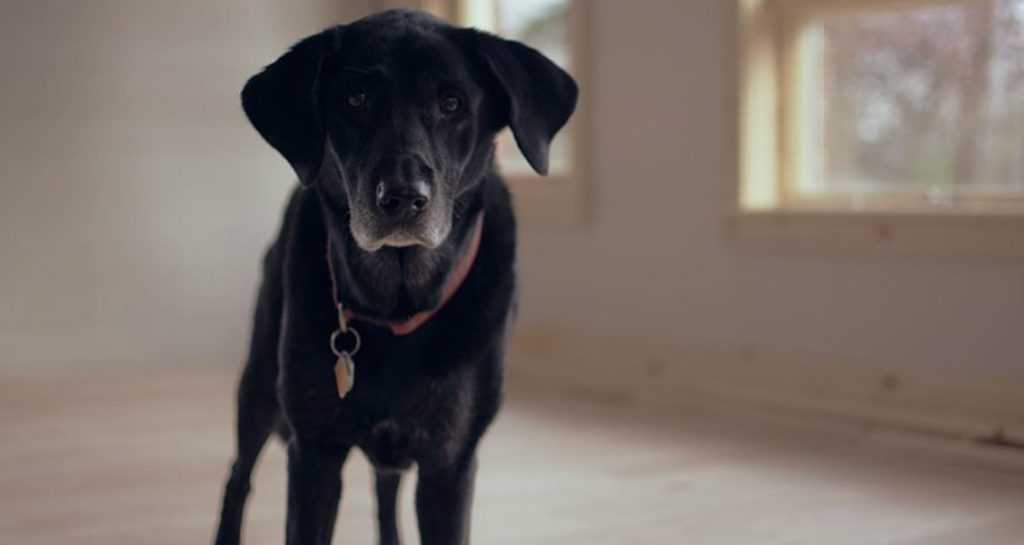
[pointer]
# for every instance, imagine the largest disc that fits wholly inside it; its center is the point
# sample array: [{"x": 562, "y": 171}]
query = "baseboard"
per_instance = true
[{"x": 682, "y": 374}]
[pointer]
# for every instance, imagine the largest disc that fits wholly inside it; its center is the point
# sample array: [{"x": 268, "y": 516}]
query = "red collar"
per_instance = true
[{"x": 455, "y": 280}]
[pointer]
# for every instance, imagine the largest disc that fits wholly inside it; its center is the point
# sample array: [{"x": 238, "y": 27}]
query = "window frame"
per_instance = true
[{"x": 767, "y": 209}]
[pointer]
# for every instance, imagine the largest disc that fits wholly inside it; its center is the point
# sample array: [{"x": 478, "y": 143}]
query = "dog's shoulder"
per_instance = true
[{"x": 302, "y": 235}]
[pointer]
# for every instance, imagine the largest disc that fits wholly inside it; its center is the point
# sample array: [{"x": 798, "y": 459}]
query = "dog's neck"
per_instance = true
[
  {"x": 401, "y": 288},
  {"x": 455, "y": 279}
]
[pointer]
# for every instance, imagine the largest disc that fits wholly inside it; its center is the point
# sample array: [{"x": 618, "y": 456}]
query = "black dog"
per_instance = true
[{"x": 402, "y": 233}]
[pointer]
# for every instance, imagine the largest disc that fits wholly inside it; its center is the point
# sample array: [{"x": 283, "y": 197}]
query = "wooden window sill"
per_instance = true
[{"x": 896, "y": 232}]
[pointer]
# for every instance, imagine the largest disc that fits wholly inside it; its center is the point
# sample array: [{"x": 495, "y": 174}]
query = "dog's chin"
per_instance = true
[{"x": 399, "y": 238}]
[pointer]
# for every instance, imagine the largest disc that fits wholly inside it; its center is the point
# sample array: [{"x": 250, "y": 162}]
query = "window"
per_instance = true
[
  {"x": 867, "y": 105},
  {"x": 881, "y": 127}
]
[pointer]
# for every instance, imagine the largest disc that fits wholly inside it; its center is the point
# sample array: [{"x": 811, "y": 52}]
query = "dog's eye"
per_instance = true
[
  {"x": 356, "y": 101},
  {"x": 450, "y": 104}
]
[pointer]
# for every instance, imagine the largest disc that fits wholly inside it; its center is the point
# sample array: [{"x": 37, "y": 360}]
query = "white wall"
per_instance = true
[
  {"x": 135, "y": 199},
  {"x": 658, "y": 261}
]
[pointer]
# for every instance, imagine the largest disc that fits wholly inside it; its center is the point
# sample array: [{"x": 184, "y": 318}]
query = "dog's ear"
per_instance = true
[
  {"x": 540, "y": 95},
  {"x": 282, "y": 103}
]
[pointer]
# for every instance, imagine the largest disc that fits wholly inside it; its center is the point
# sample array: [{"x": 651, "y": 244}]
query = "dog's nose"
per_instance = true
[
  {"x": 403, "y": 187},
  {"x": 403, "y": 198}
]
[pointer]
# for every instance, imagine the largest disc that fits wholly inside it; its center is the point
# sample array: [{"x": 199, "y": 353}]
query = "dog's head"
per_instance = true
[{"x": 393, "y": 117}]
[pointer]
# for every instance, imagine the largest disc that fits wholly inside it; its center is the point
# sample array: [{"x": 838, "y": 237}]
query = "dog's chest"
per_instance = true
[
  {"x": 394, "y": 413},
  {"x": 426, "y": 421}
]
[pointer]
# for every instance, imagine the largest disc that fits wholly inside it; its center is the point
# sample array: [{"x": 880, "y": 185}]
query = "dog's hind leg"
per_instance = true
[
  {"x": 258, "y": 409},
  {"x": 257, "y": 416},
  {"x": 387, "y": 507}
]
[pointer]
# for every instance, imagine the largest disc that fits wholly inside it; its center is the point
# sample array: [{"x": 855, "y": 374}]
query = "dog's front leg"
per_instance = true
[
  {"x": 443, "y": 500},
  {"x": 314, "y": 490}
]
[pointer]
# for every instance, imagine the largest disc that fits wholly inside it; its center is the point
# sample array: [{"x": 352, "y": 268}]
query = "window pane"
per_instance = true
[
  {"x": 927, "y": 100},
  {"x": 543, "y": 25}
]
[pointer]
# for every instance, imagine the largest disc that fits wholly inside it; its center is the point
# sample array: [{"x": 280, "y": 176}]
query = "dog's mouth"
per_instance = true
[
  {"x": 374, "y": 229},
  {"x": 372, "y": 240},
  {"x": 402, "y": 239}
]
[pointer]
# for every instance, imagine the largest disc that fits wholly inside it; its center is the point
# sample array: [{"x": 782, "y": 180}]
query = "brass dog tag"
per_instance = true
[
  {"x": 344, "y": 374},
  {"x": 345, "y": 367}
]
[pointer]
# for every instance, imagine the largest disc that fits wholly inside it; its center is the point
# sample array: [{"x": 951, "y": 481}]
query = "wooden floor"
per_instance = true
[{"x": 140, "y": 460}]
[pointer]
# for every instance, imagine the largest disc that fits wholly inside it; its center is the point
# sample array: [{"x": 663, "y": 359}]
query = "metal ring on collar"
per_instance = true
[{"x": 355, "y": 348}]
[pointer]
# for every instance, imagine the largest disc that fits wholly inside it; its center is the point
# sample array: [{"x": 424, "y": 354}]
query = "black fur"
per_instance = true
[{"x": 425, "y": 398}]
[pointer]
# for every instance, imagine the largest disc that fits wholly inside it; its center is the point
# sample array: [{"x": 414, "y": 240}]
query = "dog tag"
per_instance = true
[{"x": 344, "y": 374}]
